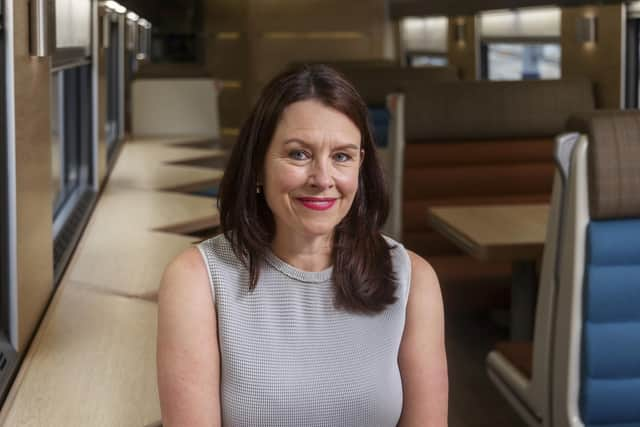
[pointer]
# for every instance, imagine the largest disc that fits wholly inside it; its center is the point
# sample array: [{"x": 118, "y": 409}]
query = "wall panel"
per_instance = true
[
  {"x": 33, "y": 179},
  {"x": 250, "y": 41},
  {"x": 602, "y": 61},
  {"x": 462, "y": 54},
  {"x": 274, "y": 55},
  {"x": 101, "y": 62},
  {"x": 283, "y": 31},
  {"x": 226, "y": 55}
]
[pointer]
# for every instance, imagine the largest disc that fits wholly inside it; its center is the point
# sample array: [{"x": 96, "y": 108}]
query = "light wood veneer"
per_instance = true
[{"x": 497, "y": 232}]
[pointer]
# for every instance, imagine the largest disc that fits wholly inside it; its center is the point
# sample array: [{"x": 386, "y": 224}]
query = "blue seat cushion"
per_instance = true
[
  {"x": 207, "y": 192},
  {"x": 610, "y": 358},
  {"x": 380, "y": 117}
]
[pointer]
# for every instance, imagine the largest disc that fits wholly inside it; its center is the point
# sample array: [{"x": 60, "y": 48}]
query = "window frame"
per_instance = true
[
  {"x": 4, "y": 203},
  {"x": 632, "y": 65},
  {"x": 8, "y": 354},
  {"x": 114, "y": 59},
  {"x": 75, "y": 131},
  {"x": 77, "y": 195}
]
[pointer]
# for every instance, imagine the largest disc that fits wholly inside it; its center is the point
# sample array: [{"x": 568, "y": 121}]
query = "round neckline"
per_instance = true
[{"x": 296, "y": 273}]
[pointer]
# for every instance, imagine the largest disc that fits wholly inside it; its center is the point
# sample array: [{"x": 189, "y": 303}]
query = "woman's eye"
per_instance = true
[
  {"x": 342, "y": 157},
  {"x": 298, "y": 155}
]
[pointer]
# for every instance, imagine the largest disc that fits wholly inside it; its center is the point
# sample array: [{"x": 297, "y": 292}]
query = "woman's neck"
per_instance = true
[{"x": 303, "y": 252}]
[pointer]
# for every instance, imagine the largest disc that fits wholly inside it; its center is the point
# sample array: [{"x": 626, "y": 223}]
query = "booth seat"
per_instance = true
[
  {"x": 457, "y": 173},
  {"x": 375, "y": 83},
  {"x": 480, "y": 143},
  {"x": 582, "y": 368},
  {"x": 521, "y": 370}
]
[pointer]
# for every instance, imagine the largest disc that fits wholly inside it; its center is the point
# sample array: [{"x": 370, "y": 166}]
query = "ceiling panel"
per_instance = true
[
  {"x": 401, "y": 8},
  {"x": 169, "y": 16}
]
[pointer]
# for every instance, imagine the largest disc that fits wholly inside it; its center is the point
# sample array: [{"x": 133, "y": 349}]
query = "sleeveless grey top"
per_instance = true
[{"x": 290, "y": 358}]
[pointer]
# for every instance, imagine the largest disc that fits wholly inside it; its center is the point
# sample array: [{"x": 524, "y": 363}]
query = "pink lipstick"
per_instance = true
[{"x": 317, "y": 203}]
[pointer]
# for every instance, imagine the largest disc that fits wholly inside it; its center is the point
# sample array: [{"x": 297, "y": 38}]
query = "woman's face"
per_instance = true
[{"x": 311, "y": 169}]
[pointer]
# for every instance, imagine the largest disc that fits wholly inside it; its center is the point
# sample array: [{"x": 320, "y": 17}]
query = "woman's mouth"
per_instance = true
[{"x": 317, "y": 203}]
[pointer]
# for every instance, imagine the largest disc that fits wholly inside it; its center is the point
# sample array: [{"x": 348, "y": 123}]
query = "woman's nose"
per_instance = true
[{"x": 320, "y": 175}]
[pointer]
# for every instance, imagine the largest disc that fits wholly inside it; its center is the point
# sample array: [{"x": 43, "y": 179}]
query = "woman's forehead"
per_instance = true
[{"x": 312, "y": 117}]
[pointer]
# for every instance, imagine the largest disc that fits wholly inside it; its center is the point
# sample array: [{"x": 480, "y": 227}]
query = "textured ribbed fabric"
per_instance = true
[{"x": 290, "y": 358}]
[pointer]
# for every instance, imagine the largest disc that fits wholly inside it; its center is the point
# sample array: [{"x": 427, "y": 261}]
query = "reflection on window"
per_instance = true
[
  {"x": 418, "y": 60},
  {"x": 632, "y": 63},
  {"x": 380, "y": 117},
  {"x": 114, "y": 92},
  {"x": 517, "y": 61},
  {"x": 72, "y": 158},
  {"x": 171, "y": 47},
  {"x": 70, "y": 133},
  {"x": 56, "y": 137},
  {"x": 4, "y": 219},
  {"x": 8, "y": 356}
]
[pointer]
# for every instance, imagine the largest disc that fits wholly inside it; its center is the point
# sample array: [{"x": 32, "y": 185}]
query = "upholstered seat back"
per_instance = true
[
  {"x": 488, "y": 110},
  {"x": 610, "y": 362},
  {"x": 375, "y": 83},
  {"x": 598, "y": 319}
]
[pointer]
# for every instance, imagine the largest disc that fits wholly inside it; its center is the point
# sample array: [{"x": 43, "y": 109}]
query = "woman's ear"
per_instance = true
[
  {"x": 361, "y": 156},
  {"x": 259, "y": 183}
]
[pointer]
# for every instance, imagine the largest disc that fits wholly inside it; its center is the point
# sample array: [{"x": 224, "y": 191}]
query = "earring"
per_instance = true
[{"x": 258, "y": 189}]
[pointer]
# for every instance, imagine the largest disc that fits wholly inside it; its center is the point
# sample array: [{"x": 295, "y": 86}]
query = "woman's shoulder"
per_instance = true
[
  {"x": 399, "y": 255},
  {"x": 187, "y": 270},
  {"x": 417, "y": 270},
  {"x": 194, "y": 264},
  {"x": 413, "y": 261},
  {"x": 424, "y": 281},
  {"x": 184, "y": 289},
  {"x": 420, "y": 265},
  {"x": 218, "y": 250}
]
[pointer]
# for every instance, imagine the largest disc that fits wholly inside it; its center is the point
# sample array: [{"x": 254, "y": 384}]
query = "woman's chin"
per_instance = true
[{"x": 319, "y": 229}]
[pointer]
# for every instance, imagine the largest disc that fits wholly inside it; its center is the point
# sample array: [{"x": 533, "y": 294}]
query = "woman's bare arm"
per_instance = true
[
  {"x": 422, "y": 358},
  {"x": 187, "y": 354}
]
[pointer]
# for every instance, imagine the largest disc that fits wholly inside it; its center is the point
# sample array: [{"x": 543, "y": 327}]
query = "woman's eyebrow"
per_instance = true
[
  {"x": 296, "y": 140},
  {"x": 346, "y": 146}
]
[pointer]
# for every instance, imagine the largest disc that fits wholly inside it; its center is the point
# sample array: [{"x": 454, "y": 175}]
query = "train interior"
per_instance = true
[{"x": 510, "y": 140}]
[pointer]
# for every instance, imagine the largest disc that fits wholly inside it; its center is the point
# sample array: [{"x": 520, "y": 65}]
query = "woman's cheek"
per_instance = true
[
  {"x": 290, "y": 178},
  {"x": 348, "y": 182}
]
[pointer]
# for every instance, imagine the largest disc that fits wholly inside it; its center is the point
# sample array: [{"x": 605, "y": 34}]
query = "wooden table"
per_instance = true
[{"x": 514, "y": 233}]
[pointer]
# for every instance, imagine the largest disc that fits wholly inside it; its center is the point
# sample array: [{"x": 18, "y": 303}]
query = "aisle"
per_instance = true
[{"x": 92, "y": 361}]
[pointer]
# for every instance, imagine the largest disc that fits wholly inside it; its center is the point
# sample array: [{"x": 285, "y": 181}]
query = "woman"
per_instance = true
[{"x": 302, "y": 313}]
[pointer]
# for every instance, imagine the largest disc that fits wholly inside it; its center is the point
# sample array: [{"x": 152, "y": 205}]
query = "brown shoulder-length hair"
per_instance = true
[{"x": 363, "y": 277}]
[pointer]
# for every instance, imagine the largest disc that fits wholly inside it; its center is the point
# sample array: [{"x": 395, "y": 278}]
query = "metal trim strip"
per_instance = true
[{"x": 11, "y": 176}]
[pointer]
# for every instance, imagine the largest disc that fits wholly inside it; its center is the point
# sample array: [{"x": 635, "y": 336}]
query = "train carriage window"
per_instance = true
[
  {"x": 56, "y": 138},
  {"x": 424, "y": 40},
  {"x": 519, "y": 61},
  {"x": 632, "y": 75},
  {"x": 114, "y": 56},
  {"x": 72, "y": 157},
  {"x": 520, "y": 44},
  {"x": 416, "y": 59},
  {"x": 8, "y": 356}
]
